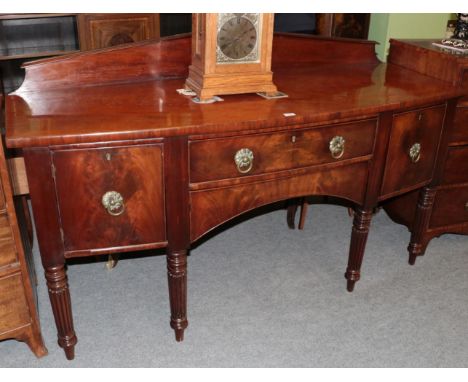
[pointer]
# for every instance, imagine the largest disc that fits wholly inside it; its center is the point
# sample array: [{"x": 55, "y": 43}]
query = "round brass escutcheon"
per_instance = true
[
  {"x": 244, "y": 160},
  {"x": 415, "y": 153},
  {"x": 113, "y": 203},
  {"x": 337, "y": 147}
]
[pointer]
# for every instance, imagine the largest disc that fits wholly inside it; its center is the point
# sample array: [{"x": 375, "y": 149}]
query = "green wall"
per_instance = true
[{"x": 384, "y": 26}]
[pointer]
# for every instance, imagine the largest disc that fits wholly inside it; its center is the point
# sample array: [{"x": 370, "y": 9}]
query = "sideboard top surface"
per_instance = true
[{"x": 318, "y": 92}]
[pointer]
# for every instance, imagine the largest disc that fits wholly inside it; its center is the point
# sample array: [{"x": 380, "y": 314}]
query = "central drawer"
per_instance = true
[
  {"x": 110, "y": 197},
  {"x": 230, "y": 157}
]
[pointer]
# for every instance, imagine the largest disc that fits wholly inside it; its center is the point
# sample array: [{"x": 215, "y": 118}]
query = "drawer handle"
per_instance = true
[
  {"x": 466, "y": 206},
  {"x": 415, "y": 152},
  {"x": 244, "y": 160},
  {"x": 113, "y": 203},
  {"x": 337, "y": 146}
]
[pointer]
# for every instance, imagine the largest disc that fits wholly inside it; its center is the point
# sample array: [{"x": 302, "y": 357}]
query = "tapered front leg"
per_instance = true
[
  {"x": 177, "y": 279},
  {"x": 361, "y": 224},
  {"x": 418, "y": 243},
  {"x": 59, "y": 295}
]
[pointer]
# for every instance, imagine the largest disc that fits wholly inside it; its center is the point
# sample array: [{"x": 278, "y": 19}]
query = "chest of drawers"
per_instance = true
[
  {"x": 444, "y": 203},
  {"x": 18, "y": 312},
  {"x": 130, "y": 164}
]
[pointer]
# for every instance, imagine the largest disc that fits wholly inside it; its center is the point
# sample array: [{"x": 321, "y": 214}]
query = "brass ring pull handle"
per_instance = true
[
  {"x": 113, "y": 203},
  {"x": 415, "y": 153},
  {"x": 337, "y": 147},
  {"x": 244, "y": 160}
]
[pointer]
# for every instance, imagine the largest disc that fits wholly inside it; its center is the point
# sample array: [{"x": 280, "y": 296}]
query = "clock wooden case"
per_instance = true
[{"x": 231, "y": 54}]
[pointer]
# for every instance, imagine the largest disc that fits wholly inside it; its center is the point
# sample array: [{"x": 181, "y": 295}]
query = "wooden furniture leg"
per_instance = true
[
  {"x": 177, "y": 280},
  {"x": 302, "y": 216},
  {"x": 112, "y": 260},
  {"x": 291, "y": 213},
  {"x": 418, "y": 243},
  {"x": 35, "y": 343},
  {"x": 46, "y": 216},
  {"x": 59, "y": 296},
  {"x": 361, "y": 224}
]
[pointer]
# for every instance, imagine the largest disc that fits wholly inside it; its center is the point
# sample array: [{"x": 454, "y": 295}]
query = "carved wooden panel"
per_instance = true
[
  {"x": 104, "y": 30},
  {"x": 83, "y": 177}
]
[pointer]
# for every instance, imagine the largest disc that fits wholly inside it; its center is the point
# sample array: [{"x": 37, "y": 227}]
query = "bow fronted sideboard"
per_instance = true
[{"x": 117, "y": 160}]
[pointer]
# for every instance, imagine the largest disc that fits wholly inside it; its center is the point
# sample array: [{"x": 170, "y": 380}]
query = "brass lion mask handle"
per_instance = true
[
  {"x": 415, "y": 153},
  {"x": 337, "y": 147},
  {"x": 113, "y": 202},
  {"x": 244, "y": 160}
]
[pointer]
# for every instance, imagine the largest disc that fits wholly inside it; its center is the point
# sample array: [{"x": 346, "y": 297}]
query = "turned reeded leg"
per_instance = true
[
  {"x": 59, "y": 295},
  {"x": 417, "y": 245},
  {"x": 177, "y": 279},
  {"x": 361, "y": 224}
]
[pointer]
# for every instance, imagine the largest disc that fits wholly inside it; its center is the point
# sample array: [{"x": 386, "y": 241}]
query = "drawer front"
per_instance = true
[
  {"x": 313, "y": 146},
  {"x": 412, "y": 130},
  {"x": 215, "y": 159},
  {"x": 450, "y": 207},
  {"x": 14, "y": 310},
  {"x": 89, "y": 185},
  {"x": 456, "y": 166},
  {"x": 7, "y": 245},
  {"x": 460, "y": 128}
]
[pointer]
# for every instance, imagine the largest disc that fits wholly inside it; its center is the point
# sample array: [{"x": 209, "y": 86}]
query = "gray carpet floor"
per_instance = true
[{"x": 261, "y": 295}]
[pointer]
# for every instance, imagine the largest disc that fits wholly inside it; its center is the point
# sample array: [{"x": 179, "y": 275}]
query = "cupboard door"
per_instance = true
[
  {"x": 110, "y": 197},
  {"x": 412, "y": 149}
]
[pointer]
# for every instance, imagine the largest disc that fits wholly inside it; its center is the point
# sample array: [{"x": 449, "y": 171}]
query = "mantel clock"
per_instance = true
[{"x": 231, "y": 54}]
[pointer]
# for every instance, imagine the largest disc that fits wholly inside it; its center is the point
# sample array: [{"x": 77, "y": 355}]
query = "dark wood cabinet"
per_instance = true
[
  {"x": 445, "y": 201},
  {"x": 100, "y": 30}
]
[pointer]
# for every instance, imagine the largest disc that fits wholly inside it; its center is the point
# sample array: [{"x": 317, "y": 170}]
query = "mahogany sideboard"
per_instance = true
[
  {"x": 118, "y": 161},
  {"x": 443, "y": 203}
]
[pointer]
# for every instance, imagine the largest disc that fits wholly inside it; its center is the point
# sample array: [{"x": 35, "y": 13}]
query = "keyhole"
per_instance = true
[
  {"x": 108, "y": 156},
  {"x": 293, "y": 139}
]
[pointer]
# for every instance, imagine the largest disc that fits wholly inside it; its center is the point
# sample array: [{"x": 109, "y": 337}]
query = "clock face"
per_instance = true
[{"x": 237, "y": 39}]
